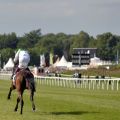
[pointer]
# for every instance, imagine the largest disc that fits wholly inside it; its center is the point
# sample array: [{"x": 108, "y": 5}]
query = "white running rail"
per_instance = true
[
  {"x": 88, "y": 83},
  {"x": 84, "y": 83}
]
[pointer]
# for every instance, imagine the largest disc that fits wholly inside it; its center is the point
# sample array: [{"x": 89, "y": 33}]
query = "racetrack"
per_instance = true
[{"x": 57, "y": 103}]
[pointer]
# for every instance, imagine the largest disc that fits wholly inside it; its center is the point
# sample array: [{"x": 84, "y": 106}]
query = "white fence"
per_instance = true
[
  {"x": 84, "y": 83},
  {"x": 5, "y": 76}
]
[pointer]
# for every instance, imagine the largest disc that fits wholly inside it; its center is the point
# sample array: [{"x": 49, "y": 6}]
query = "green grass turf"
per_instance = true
[{"x": 56, "y": 103}]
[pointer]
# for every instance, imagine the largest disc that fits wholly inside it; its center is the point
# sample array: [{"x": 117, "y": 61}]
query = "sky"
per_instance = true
[{"x": 55, "y": 16}]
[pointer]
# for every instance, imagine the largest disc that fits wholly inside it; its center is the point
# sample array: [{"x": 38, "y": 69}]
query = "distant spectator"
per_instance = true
[
  {"x": 103, "y": 76},
  {"x": 97, "y": 77},
  {"x": 56, "y": 75}
]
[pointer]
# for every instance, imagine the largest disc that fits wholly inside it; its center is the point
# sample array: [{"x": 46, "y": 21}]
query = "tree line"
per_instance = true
[{"x": 107, "y": 45}]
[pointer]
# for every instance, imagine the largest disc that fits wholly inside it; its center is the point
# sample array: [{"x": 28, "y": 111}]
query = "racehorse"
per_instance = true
[{"x": 24, "y": 80}]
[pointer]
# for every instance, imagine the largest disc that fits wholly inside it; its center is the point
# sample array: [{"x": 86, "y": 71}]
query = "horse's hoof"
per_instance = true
[
  {"x": 8, "y": 98},
  {"x": 15, "y": 110},
  {"x": 33, "y": 109}
]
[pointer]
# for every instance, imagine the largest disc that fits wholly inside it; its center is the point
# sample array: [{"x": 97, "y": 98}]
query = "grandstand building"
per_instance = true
[{"x": 82, "y": 56}]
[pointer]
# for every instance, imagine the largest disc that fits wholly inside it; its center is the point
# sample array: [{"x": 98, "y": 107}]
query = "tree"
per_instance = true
[
  {"x": 34, "y": 56},
  {"x": 6, "y": 53},
  {"x": 105, "y": 45},
  {"x": 23, "y": 43},
  {"x": 80, "y": 40},
  {"x": 33, "y": 36},
  {"x": 8, "y": 40}
]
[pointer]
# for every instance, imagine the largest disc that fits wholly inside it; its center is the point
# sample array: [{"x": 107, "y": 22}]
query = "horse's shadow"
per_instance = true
[{"x": 73, "y": 113}]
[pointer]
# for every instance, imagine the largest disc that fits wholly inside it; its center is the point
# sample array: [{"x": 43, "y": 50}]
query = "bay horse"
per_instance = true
[{"x": 24, "y": 80}]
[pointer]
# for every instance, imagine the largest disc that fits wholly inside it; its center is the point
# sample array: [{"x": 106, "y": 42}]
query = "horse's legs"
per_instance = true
[
  {"x": 32, "y": 100},
  {"x": 22, "y": 103},
  {"x": 19, "y": 99},
  {"x": 16, "y": 107},
  {"x": 9, "y": 94}
]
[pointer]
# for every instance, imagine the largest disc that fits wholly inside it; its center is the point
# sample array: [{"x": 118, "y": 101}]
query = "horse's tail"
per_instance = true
[
  {"x": 30, "y": 79},
  {"x": 32, "y": 84}
]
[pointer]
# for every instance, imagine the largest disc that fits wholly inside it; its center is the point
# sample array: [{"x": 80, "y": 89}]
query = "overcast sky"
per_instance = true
[{"x": 54, "y": 16}]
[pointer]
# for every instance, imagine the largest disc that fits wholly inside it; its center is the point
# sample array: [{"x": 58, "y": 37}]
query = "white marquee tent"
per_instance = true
[
  {"x": 95, "y": 61},
  {"x": 9, "y": 65},
  {"x": 62, "y": 63},
  {"x": 57, "y": 61}
]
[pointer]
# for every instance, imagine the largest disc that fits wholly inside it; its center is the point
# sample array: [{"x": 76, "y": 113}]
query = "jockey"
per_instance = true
[{"x": 21, "y": 61}]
